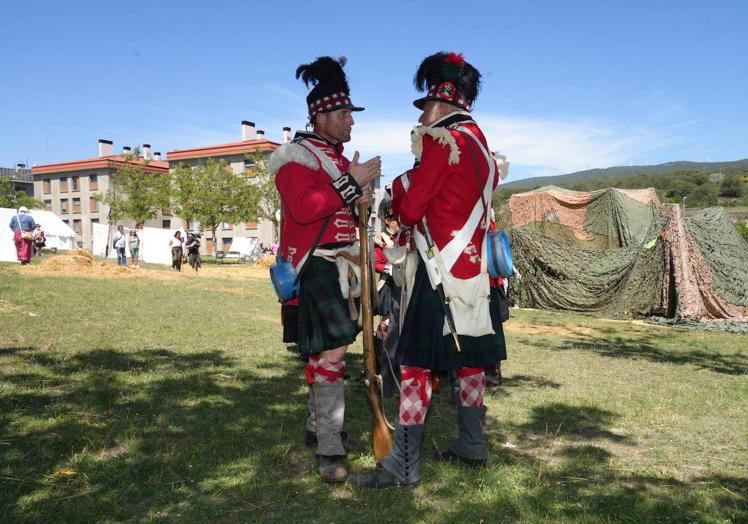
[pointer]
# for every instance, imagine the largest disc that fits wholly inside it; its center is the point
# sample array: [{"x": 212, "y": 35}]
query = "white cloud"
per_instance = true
[{"x": 535, "y": 146}]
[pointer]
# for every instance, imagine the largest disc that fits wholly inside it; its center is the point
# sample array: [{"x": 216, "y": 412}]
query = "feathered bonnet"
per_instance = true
[
  {"x": 330, "y": 91},
  {"x": 448, "y": 78}
]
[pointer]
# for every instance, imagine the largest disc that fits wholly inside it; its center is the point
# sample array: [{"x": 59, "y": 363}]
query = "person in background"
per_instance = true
[
  {"x": 134, "y": 246},
  {"x": 119, "y": 242},
  {"x": 23, "y": 226},
  {"x": 193, "y": 251},
  {"x": 176, "y": 250},
  {"x": 40, "y": 240},
  {"x": 388, "y": 295}
]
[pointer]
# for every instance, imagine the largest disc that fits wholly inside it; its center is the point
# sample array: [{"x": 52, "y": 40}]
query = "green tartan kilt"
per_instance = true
[
  {"x": 421, "y": 341},
  {"x": 322, "y": 319}
]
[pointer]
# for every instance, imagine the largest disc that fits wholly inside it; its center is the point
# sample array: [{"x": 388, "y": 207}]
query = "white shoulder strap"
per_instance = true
[
  {"x": 324, "y": 160},
  {"x": 451, "y": 252}
]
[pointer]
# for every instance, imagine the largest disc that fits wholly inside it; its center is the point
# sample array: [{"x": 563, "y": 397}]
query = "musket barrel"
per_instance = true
[{"x": 380, "y": 433}]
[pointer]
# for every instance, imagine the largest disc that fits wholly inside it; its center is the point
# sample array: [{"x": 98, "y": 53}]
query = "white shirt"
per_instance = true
[
  {"x": 119, "y": 239},
  {"x": 175, "y": 242}
]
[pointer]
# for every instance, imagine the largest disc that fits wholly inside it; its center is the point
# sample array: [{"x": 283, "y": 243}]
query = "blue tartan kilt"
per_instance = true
[
  {"x": 322, "y": 319},
  {"x": 421, "y": 341}
]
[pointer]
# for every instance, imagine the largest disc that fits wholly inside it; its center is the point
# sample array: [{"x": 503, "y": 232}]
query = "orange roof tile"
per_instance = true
[
  {"x": 112, "y": 161},
  {"x": 232, "y": 148}
]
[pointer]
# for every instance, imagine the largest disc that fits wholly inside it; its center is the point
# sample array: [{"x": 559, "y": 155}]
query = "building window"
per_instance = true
[
  {"x": 75, "y": 183},
  {"x": 226, "y": 243},
  {"x": 93, "y": 182},
  {"x": 47, "y": 185},
  {"x": 64, "y": 205},
  {"x": 63, "y": 185},
  {"x": 76, "y": 205},
  {"x": 193, "y": 225},
  {"x": 77, "y": 227},
  {"x": 48, "y": 205},
  {"x": 227, "y": 225},
  {"x": 251, "y": 225},
  {"x": 166, "y": 211},
  {"x": 166, "y": 224},
  {"x": 93, "y": 221},
  {"x": 93, "y": 204},
  {"x": 249, "y": 167},
  {"x": 67, "y": 222}
]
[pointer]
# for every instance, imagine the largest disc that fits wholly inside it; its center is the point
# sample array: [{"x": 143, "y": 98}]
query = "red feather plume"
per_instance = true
[{"x": 455, "y": 59}]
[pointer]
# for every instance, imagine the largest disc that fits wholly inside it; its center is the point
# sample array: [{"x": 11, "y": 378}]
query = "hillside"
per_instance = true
[{"x": 626, "y": 171}]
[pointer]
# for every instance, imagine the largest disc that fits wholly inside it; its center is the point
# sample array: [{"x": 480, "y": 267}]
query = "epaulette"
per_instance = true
[
  {"x": 442, "y": 135},
  {"x": 291, "y": 152}
]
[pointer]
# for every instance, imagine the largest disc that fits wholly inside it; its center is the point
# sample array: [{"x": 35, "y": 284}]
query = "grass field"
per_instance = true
[{"x": 154, "y": 397}]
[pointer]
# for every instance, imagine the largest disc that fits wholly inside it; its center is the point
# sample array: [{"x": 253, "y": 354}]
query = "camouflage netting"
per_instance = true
[{"x": 619, "y": 254}]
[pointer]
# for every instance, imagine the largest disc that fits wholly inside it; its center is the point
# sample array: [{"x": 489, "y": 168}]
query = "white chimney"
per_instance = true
[
  {"x": 248, "y": 130},
  {"x": 260, "y": 134},
  {"x": 105, "y": 147},
  {"x": 157, "y": 155},
  {"x": 126, "y": 150},
  {"x": 147, "y": 152},
  {"x": 286, "y": 134}
]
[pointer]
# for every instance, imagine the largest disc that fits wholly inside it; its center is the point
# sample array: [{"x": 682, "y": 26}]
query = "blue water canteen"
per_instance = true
[
  {"x": 499, "y": 252},
  {"x": 283, "y": 277}
]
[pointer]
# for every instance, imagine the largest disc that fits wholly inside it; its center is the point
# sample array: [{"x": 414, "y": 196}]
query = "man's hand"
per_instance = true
[
  {"x": 367, "y": 197},
  {"x": 365, "y": 173}
]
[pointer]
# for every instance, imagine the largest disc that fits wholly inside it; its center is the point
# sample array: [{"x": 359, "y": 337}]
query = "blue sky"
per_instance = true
[{"x": 567, "y": 85}]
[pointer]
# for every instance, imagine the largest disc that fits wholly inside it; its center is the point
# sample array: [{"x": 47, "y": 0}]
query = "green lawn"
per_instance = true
[{"x": 134, "y": 399}]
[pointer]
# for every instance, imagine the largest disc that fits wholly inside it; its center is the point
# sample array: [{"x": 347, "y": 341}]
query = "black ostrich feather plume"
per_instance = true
[
  {"x": 437, "y": 68},
  {"x": 324, "y": 69}
]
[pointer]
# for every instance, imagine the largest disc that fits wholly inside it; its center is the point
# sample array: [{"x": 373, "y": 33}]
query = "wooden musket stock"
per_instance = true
[{"x": 380, "y": 433}]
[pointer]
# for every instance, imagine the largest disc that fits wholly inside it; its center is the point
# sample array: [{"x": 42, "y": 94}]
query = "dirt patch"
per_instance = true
[
  {"x": 81, "y": 263},
  {"x": 556, "y": 331}
]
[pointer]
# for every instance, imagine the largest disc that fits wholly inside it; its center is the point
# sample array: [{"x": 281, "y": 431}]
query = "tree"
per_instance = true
[
  {"x": 210, "y": 194},
  {"x": 135, "y": 192},
  {"x": 679, "y": 189},
  {"x": 15, "y": 199},
  {"x": 263, "y": 184},
  {"x": 704, "y": 195},
  {"x": 731, "y": 186}
]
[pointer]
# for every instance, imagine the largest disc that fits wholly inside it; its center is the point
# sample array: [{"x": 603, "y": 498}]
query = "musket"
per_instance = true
[
  {"x": 440, "y": 287},
  {"x": 380, "y": 433}
]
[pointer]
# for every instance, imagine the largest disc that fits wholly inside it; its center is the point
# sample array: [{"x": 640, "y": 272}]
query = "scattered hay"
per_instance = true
[
  {"x": 81, "y": 264},
  {"x": 265, "y": 262}
]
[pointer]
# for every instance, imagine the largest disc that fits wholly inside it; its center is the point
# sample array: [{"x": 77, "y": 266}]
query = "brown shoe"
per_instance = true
[{"x": 332, "y": 468}]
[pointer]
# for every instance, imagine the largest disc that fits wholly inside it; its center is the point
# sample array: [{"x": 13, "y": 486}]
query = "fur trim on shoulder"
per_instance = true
[
  {"x": 502, "y": 164},
  {"x": 441, "y": 134},
  {"x": 288, "y": 153}
]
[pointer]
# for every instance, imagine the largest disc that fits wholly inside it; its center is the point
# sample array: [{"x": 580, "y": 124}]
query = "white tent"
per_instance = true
[
  {"x": 154, "y": 243},
  {"x": 243, "y": 245},
  {"x": 58, "y": 233}
]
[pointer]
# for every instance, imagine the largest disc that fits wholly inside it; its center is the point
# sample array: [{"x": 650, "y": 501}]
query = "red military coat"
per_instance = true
[
  {"x": 309, "y": 195},
  {"x": 445, "y": 187}
]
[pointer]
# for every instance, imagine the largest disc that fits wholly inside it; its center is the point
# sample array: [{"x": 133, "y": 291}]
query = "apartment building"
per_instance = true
[
  {"x": 233, "y": 153},
  {"x": 68, "y": 188}
]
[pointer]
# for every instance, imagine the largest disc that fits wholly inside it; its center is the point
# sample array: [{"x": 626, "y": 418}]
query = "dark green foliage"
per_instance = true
[
  {"x": 731, "y": 186},
  {"x": 15, "y": 199},
  {"x": 742, "y": 228},
  {"x": 739, "y": 166},
  {"x": 697, "y": 187},
  {"x": 136, "y": 193}
]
